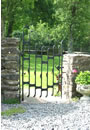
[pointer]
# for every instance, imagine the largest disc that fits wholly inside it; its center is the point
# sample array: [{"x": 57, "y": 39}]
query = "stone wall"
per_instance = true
[
  {"x": 9, "y": 68},
  {"x": 78, "y": 61}
]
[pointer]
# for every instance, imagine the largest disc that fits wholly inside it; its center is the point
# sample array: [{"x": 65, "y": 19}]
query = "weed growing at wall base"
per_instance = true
[
  {"x": 13, "y": 111},
  {"x": 11, "y": 101}
]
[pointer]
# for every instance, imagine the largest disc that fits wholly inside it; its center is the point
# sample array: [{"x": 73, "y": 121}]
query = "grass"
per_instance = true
[
  {"x": 38, "y": 63},
  {"x": 57, "y": 94},
  {"x": 38, "y": 79},
  {"x": 11, "y": 101},
  {"x": 38, "y": 71},
  {"x": 75, "y": 99},
  {"x": 13, "y": 111}
]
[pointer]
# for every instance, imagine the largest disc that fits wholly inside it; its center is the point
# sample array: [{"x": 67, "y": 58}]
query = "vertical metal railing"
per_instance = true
[
  {"x": 29, "y": 69},
  {"x": 35, "y": 69},
  {"x": 23, "y": 67},
  {"x": 59, "y": 69},
  {"x": 61, "y": 65},
  {"x": 53, "y": 69},
  {"x": 19, "y": 72},
  {"x": 41, "y": 68},
  {"x": 47, "y": 71}
]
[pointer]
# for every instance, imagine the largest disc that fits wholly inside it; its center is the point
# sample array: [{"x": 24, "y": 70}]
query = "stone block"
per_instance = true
[
  {"x": 10, "y": 42},
  {"x": 9, "y": 71},
  {"x": 10, "y": 82},
  {"x": 9, "y": 88},
  {"x": 10, "y": 94},
  {"x": 10, "y": 76},
  {"x": 9, "y": 50},
  {"x": 11, "y": 65},
  {"x": 11, "y": 57}
]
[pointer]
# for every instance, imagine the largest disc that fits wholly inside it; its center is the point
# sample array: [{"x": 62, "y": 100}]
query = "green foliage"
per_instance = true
[
  {"x": 13, "y": 111},
  {"x": 74, "y": 19},
  {"x": 75, "y": 99},
  {"x": 83, "y": 78},
  {"x": 50, "y": 20},
  {"x": 58, "y": 94},
  {"x": 17, "y": 34},
  {"x": 39, "y": 34},
  {"x": 42, "y": 34},
  {"x": 32, "y": 58},
  {"x": 11, "y": 101}
]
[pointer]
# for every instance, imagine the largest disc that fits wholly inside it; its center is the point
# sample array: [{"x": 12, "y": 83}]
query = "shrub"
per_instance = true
[
  {"x": 17, "y": 34},
  {"x": 42, "y": 34},
  {"x": 83, "y": 78}
]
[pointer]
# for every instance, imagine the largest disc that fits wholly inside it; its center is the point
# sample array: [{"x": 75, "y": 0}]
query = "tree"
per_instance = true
[
  {"x": 66, "y": 19},
  {"x": 10, "y": 10},
  {"x": 73, "y": 16}
]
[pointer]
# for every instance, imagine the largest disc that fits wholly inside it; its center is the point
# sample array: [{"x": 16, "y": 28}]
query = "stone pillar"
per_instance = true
[
  {"x": 9, "y": 68},
  {"x": 78, "y": 61}
]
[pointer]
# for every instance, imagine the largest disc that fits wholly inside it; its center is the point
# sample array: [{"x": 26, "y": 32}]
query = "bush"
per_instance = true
[
  {"x": 17, "y": 34},
  {"x": 83, "y": 78},
  {"x": 42, "y": 34}
]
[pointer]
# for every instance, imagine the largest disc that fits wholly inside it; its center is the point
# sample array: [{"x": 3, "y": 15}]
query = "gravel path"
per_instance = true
[{"x": 49, "y": 116}]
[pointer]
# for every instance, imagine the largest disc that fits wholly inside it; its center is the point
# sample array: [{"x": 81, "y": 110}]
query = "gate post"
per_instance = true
[
  {"x": 9, "y": 69},
  {"x": 78, "y": 61}
]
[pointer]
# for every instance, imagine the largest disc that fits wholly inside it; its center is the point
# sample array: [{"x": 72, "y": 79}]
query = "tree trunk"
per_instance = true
[
  {"x": 10, "y": 26},
  {"x": 70, "y": 45},
  {"x": 73, "y": 14}
]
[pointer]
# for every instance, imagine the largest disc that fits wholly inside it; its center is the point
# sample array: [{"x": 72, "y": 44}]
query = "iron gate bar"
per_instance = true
[
  {"x": 50, "y": 86},
  {"x": 25, "y": 82},
  {"x": 23, "y": 68},
  {"x": 50, "y": 57},
  {"x": 47, "y": 72},
  {"x": 32, "y": 85},
  {"x": 35, "y": 71},
  {"x": 38, "y": 87},
  {"x": 41, "y": 70},
  {"x": 29, "y": 75},
  {"x": 30, "y": 51},
  {"x": 55, "y": 83},
  {"x": 53, "y": 70},
  {"x": 41, "y": 66},
  {"x": 44, "y": 62},
  {"x": 61, "y": 64},
  {"x": 59, "y": 67},
  {"x": 33, "y": 51},
  {"x": 38, "y": 56},
  {"x": 29, "y": 69},
  {"x": 26, "y": 58},
  {"x": 19, "y": 73},
  {"x": 44, "y": 89}
]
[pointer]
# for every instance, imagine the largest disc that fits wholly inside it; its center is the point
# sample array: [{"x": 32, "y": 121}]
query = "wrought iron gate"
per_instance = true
[{"x": 40, "y": 68}]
